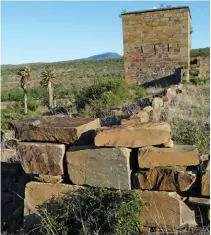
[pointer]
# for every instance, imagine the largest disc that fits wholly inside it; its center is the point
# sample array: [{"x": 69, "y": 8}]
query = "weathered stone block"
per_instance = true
[
  {"x": 36, "y": 194},
  {"x": 62, "y": 129},
  {"x": 144, "y": 116},
  {"x": 179, "y": 155},
  {"x": 157, "y": 105},
  {"x": 164, "y": 179},
  {"x": 41, "y": 158},
  {"x": 54, "y": 179},
  {"x": 169, "y": 144},
  {"x": 134, "y": 136},
  {"x": 9, "y": 156},
  {"x": 199, "y": 201},
  {"x": 163, "y": 209},
  {"x": 205, "y": 178},
  {"x": 99, "y": 167}
]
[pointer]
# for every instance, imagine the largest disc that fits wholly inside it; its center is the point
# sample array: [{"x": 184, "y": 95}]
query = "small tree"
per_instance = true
[
  {"x": 24, "y": 74},
  {"x": 48, "y": 82}
]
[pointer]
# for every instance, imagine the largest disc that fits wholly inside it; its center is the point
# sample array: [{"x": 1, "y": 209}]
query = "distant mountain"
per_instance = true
[{"x": 107, "y": 55}]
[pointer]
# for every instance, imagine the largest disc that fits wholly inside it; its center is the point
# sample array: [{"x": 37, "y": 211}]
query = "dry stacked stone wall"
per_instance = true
[{"x": 138, "y": 154}]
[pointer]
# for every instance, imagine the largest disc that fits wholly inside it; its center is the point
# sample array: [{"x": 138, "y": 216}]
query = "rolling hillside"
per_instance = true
[
  {"x": 67, "y": 72},
  {"x": 77, "y": 71}
]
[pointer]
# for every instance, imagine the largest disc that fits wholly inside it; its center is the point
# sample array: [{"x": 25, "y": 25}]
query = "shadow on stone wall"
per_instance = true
[
  {"x": 165, "y": 82},
  {"x": 13, "y": 183}
]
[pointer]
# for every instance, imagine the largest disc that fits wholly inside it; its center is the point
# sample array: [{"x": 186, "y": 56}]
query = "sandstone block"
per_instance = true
[
  {"x": 169, "y": 144},
  {"x": 203, "y": 157},
  {"x": 99, "y": 167},
  {"x": 54, "y": 179},
  {"x": 199, "y": 201},
  {"x": 157, "y": 104},
  {"x": 36, "y": 194},
  {"x": 179, "y": 155},
  {"x": 168, "y": 95},
  {"x": 134, "y": 136},
  {"x": 205, "y": 178},
  {"x": 62, "y": 129},
  {"x": 144, "y": 116},
  {"x": 163, "y": 209},
  {"x": 164, "y": 179},
  {"x": 41, "y": 158},
  {"x": 9, "y": 156}
]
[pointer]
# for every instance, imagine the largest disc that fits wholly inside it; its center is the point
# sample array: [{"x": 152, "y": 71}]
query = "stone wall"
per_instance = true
[
  {"x": 137, "y": 154},
  {"x": 200, "y": 66},
  {"x": 13, "y": 184},
  {"x": 156, "y": 43}
]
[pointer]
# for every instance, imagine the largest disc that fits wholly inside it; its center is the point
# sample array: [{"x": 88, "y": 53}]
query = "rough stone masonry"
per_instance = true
[
  {"x": 125, "y": 157},
  {"x": 156, "y": 43}
]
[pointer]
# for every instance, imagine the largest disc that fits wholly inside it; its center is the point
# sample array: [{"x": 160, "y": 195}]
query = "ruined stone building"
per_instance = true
[
  {"x": 156, "y": 44},
  {"x": 200, "y": 66}
]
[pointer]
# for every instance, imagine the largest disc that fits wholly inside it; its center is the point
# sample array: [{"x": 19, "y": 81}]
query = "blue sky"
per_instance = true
[{"x": 58, "y": 31}]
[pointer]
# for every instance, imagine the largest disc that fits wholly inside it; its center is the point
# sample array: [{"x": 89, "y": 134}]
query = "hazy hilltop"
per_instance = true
[
  {"x": 81, "y": 71},
  {"x": 107, "y": 55}
]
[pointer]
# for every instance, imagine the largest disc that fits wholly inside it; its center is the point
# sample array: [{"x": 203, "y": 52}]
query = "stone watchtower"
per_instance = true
[{"x": 156, "y": 43}]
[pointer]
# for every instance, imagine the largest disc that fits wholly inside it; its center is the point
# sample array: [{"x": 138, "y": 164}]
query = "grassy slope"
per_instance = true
[
  {"x": 74, "y": 72},
  {"x": 67, "y": 72}
]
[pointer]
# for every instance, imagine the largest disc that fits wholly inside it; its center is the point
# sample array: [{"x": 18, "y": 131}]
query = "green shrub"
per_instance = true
[
  {"x": 191, "y": 133},
  {"x": 33, "y": 104},
  {"x": 92, "y": 211},
  {"x": 38, "y": 93},
  {"x": 62, "y": 92},
  {"x": 198, "y": 81},
  {"x": 15, "y": 112},
  {"x": 102, "y": 96},
  {"x": 140, "y": 92},
  {"x": 4, "y": 96},
  {"x": 200, "y": 52},
  {"x": 12, "y": 95}
]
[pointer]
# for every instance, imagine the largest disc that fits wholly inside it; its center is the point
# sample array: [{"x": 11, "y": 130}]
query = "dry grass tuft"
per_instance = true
[{"x": 189, "y": 117}]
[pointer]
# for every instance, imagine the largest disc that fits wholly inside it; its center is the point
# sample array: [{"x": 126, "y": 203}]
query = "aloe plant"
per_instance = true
[
  {"x": 24, "y": 74},
  {"x": 48, "y": 82}
]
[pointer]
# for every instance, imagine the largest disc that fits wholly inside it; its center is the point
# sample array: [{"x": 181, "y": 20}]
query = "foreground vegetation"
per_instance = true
[{"x": 90, "y": 211}]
